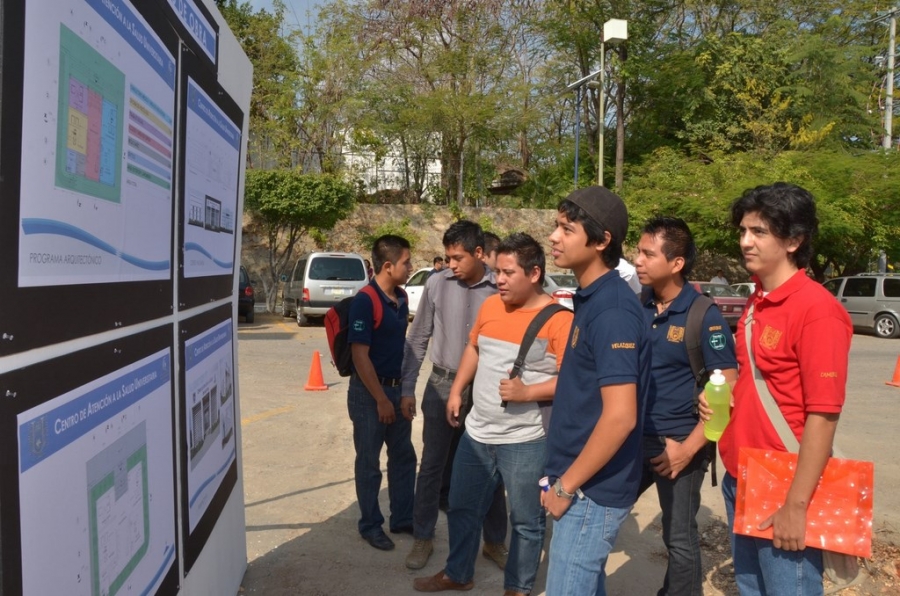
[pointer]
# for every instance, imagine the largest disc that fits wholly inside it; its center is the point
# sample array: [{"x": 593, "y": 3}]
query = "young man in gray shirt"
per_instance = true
[{"x": 447, "y": 310}]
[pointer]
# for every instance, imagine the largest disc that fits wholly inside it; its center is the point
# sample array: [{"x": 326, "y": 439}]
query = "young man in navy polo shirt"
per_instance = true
[
  {"x": 675, "y": 450},
  {"x": 594, "y": 441},
  {"x": 380, "y": 416}
]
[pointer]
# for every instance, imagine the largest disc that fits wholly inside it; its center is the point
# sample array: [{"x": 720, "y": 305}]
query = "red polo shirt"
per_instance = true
[{"x": 801, "y": 337}]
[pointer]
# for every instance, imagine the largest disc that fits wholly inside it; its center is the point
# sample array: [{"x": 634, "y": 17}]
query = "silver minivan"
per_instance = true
[
  {"x": 318, "y": 281},
  {"x": 871, "y": 299}
]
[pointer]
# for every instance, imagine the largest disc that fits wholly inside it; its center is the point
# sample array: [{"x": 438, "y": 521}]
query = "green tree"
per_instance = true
[
  {"x": 270, "y": 46},
  {"x": 858, "y": 199},
  {"x": 286, "y": 205}
]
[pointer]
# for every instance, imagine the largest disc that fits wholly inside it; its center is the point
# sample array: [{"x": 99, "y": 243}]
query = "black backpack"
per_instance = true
[{"x": 693, "y": 334}]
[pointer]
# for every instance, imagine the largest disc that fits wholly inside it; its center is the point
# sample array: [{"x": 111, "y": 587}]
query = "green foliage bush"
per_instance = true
[{"x": 403, "y": 228}]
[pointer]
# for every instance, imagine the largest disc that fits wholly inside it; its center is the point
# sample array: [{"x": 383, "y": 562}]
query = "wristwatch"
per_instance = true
[{"x": 560, "y": 491}]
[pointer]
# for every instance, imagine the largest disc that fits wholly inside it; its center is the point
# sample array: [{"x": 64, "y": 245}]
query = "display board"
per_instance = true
[
  {"x": 88, "y": 191},
  {"x": 118, "y": 406},
  {"x": 95, "y": 480},
  {"x": 211, "y": 125},
  {"x": 197, "y": 28},
  {"x": 98, "y": 162},
  {"x": 209, "y": 445}
]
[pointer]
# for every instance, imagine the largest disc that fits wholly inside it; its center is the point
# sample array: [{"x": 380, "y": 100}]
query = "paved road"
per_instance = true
[{"x": 298, "y": 476}]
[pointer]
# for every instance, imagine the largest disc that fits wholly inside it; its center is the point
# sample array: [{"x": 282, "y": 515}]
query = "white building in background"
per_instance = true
[{"x": 389, "y": 173}]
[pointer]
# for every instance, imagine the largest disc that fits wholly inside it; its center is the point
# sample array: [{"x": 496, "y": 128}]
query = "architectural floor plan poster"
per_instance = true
[
  {"x": 96, "y": 485},
  {"x": 212, "y": 160},
  {"x": 209, "y": 415},
  {"x": 97, "y": 145}
]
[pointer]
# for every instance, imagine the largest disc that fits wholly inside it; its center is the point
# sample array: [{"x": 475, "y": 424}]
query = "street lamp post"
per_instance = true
[
  {"x": 614, "y": 30},
  {"x": 577, "y": 86}
]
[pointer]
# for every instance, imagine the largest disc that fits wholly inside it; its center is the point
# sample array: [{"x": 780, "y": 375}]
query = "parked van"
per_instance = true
[
  {"x": 318, "y": 281},
  {"x": 872, "y": 300}
]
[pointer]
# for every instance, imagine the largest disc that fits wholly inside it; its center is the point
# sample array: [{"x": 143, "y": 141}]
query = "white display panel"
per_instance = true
[
  {"x": 209, "y": 415},
  {"x": 96, "y": 485},
  {"x": 98, "y": 147},
  {"x": 197, "y": 25},
  {"x": 212, "y": 161}
]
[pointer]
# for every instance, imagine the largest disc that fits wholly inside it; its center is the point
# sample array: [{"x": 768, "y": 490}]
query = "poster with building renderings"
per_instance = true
[{"x": 98, "y": 146}]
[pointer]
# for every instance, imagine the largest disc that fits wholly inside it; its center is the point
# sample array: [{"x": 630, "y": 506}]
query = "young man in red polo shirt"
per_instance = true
[{"x": 801, "y": 341}]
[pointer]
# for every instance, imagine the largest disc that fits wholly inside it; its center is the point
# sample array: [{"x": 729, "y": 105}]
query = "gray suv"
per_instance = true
[
  {"x": 318, "y": 281},
  {"x": 872, "y": 300}
]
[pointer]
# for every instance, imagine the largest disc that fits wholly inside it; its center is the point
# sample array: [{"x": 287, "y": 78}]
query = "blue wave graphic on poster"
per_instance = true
[
  {"x": 211, "y": 478},
  {"x": 169, "y": 555},
  {"x": 59, "y": 228},
  {"x": 196, "y": 247}
]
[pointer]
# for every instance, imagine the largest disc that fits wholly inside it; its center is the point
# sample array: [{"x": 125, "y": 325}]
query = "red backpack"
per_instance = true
[{"x": 337, "y": 320}]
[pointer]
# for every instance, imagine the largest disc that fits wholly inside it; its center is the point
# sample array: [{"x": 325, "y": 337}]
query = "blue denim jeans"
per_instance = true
[
  {"x": 369, "y": 435},
  {"x": 679, "y": 500},
  {"x": 478, "y": 470},
  {"x": 437, "y": 438},
  {"x": 582, "y": 540},
  {"x": 760, "y": 569}
]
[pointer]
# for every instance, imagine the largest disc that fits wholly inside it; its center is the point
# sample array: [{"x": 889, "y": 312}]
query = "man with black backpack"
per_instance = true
[
  {"x": 379, "y": 414},
  {"x": 514, "y": 352},
  {"x": 688, "y": 338}
]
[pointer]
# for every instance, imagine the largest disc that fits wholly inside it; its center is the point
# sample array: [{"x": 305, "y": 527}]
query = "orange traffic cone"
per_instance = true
[
  {"x": 896, "y": 380},
  {"x": 315, "y": 382}
]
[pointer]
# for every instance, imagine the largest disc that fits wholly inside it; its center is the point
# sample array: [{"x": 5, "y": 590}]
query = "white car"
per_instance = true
[
  {"x": 561, "y": 286},
  {"x": 744, "y": 289},
  {"x": 414, "y": 288}
]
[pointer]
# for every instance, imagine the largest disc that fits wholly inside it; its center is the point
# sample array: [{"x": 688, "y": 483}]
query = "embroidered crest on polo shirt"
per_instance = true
[
  {"x": 359, "y": 325},
  {"x": 717, "y": 341},
  {"x": 575, "y": 331},
  {"x": 675, "y": 334},
  {"x": 769, "y": 338}
]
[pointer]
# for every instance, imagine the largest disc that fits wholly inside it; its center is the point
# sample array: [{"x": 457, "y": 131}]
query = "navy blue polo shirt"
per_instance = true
[
  {"x": 607, "y": 345},
  {"x": 386, "y": 342},
  {"x": 670, "y": 404}
]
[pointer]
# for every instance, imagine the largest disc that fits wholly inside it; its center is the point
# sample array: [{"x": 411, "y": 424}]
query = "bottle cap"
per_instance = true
[{"x": 717, "y": 378}]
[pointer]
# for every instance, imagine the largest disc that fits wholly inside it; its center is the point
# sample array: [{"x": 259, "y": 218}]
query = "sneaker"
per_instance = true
[
  {"x": 496, "y": 552},
  {"x": 418, "y": 556}
]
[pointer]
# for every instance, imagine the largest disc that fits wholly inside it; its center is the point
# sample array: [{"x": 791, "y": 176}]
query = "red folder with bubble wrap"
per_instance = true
[{"x": 839, "y": 517}]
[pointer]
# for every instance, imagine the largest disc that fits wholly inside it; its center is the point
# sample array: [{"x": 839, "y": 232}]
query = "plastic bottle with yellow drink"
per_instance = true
[{"x": 718, "y": 396}]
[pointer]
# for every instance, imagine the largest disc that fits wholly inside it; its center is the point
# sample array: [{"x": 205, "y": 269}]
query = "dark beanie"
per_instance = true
[{"x": 604, "y": 207}]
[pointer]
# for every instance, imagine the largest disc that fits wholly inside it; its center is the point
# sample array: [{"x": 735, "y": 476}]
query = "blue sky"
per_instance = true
[{"x": 296, "y": 13}]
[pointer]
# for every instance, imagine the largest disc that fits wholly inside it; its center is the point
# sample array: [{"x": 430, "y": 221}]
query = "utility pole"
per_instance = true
[{"x": 889, "y": 95}]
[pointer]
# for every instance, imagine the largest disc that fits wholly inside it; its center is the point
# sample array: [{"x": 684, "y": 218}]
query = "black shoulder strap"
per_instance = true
[
  {"x": 693, "y": 334},
  {"x": 531, "y": 333}
]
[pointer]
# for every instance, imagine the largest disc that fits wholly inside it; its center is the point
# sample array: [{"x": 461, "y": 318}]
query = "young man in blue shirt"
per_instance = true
[
  {"x": 379, "y": 415},
  {"x": 676, "y": 453},
  {"x": 594, "y": 442}
]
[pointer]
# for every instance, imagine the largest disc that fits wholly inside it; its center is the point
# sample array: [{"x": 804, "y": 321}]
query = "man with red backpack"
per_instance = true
[{"x": 379, "y": 414}]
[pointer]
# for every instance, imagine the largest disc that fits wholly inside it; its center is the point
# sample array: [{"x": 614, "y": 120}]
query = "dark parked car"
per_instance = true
[
  {"x": 246, "y": 299},
  {"x": 730, "y": 303}
]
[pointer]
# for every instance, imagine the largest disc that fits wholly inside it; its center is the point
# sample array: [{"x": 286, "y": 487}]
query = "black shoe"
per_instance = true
[
  {"x": 380, "y": 541},
  {"x": 402, "y": 530}
]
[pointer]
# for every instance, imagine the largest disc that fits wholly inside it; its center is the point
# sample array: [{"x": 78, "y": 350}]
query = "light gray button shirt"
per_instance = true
[{"x": 447, "y": 310}]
